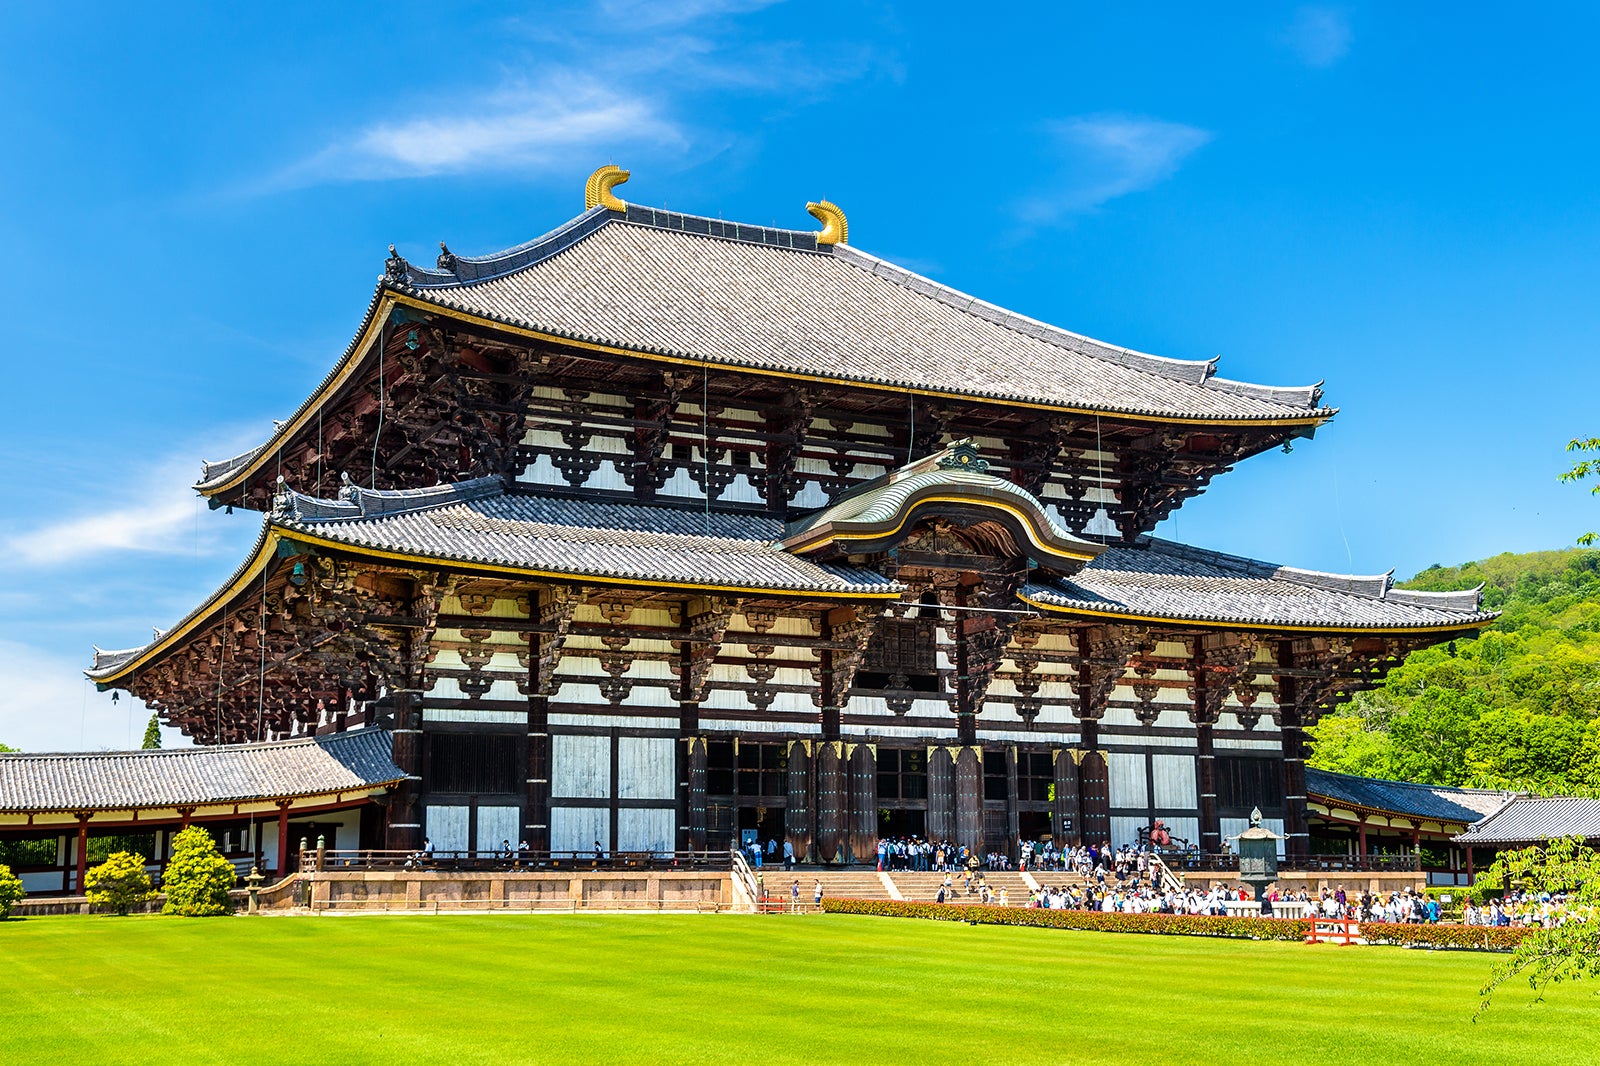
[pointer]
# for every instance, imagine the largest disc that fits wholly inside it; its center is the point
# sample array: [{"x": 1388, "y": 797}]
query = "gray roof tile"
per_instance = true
[
  {"x": 1530, "y": 820},
  {"x": 1433, "y": 802},
  {"x": 120, "y": 780},
  {"x": 584, "y": 538},
  {"x": 1157, "y": 578},
  {"x": 772, "y": 300}
]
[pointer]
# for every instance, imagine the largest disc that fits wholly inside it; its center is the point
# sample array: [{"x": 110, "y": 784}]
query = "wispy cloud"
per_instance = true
[
  {"x": 518, "y": 126},
  {"x": 651, "y": 13},
  {"x": 157, "y": 513},
  {"x": 1104, "y": 157},
  {"x": 620, "y": 78},
  {"x": 1319, "y": 36}
]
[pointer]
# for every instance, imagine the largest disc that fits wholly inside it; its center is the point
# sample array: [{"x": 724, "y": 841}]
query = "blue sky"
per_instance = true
[{"x": 195, "y": 203}]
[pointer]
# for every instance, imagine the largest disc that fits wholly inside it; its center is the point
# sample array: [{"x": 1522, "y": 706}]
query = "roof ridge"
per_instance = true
[
  {"x": 355, "y": 501},
  {"x": 1410, "y": 784}
]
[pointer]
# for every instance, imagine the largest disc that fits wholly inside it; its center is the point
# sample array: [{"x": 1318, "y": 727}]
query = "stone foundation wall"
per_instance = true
[{"x": 440, "y": 891}]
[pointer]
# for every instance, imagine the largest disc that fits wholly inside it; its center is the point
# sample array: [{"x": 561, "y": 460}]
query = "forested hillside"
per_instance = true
[{"x": 1517, "y": 708}]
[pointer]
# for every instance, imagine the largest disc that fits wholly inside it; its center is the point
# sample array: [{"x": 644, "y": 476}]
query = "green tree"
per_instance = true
[
  {"x": 1567, "y": 952},
  {"x": 1582, "y": 469},
  {"x": 3, "y": 748},
  {"x": 119, "y": 882},
  {"x": 198, "y": 878},
  {"x": 152, "y": 734},
  {"x": 11, "y": 891}
]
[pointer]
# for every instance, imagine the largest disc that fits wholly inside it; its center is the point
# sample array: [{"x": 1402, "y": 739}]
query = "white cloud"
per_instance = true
[
  {"x": 1107, "y": 156},
  {"x": 517, "y": 127},
  {"x": 157, "y": 512},
  {"x": 46, "y": 704},
  {"x": 1320, "y": 36},
  {"x": 642, "y": 13}
]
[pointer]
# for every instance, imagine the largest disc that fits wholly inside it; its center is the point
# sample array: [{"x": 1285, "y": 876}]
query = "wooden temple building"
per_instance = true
[{"x": 658, "y": 528}]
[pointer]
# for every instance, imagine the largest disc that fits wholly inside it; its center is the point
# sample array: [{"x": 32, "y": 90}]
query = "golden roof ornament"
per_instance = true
[
  {"x": 597, "y": 193},
  {"x": 835, "y": 229}
]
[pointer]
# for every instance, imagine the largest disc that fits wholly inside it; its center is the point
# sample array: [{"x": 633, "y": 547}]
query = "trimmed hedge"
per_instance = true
[{"x": 1434, "y": 936}]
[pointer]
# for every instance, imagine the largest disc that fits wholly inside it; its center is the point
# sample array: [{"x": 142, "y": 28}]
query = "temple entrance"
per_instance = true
[
  {"x": 766, "y": 825},
  {"x": 895, "y": 822},
  {"x": 1034, "y": 826}
]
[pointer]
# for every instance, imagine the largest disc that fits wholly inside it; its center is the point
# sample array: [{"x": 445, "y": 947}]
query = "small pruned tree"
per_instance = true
[
  {"x": 11, "y": 891},
  {"x": 1585, "y": 468},
  {"x": 1569, "y": 951},
  {"x": 198, "y": 878},
  {"x": 119, "y": 882}
]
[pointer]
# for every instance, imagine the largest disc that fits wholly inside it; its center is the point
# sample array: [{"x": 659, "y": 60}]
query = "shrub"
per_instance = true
[
  {"x": 11, "y": 891},
  {"x": 197, "y": 879},
  {"x": 119, "y": 882},
  {"x": 1439, "y": 936}
]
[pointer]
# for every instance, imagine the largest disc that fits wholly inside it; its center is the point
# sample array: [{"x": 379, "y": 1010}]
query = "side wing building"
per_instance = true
[{"x": 658, "y": 528}]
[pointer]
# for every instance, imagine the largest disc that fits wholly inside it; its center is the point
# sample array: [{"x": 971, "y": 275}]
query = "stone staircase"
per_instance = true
[
  {"x": 847, "y": 883},
  {"x": 924, "y": 887}
]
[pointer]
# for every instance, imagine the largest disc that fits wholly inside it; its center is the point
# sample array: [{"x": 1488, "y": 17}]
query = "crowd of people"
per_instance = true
[
  {"x": 935, "y": 856},
  {"x": 1524, "y": 909}
]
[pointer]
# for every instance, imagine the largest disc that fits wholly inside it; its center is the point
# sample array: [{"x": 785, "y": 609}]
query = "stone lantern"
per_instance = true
[{"x": 1258, "y": 855}]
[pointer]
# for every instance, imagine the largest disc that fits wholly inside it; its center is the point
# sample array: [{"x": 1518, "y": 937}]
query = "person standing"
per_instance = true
[
  {"x": 794, "y": 895},
  {"x": 818, "y": 898},
  {"x": 788, "y": 858}
]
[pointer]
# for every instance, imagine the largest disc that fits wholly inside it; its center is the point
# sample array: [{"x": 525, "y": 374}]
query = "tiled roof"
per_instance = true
[
  {"x": 662, "y": 283},
  {"x": 1160, "y": 579},
  {"x": 473, "y": 524},
  {"x": 1433, "y": 802},
  {"x": 121, "y": 780},
  {"x": 1529, "y": 820}
]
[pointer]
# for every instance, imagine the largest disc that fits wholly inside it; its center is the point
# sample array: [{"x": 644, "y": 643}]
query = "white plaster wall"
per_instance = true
[
  {"x": 577, "y": 828},
  {"x": 497, "y": 824},
  {"x": 1175, "y": 781},
  {"x": 452, "y": 714},
  {"x": 1127, "y": 779},
  {"x": 646, "y": 830},
  {"x": 445, "y": 826},
  {"x": 646, "y": 767},
  {"x": 1125, "y": 830},
  {"x": 580, "y": 766}
]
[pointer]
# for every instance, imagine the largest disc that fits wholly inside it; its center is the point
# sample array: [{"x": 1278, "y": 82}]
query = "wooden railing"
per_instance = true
[{"x": 525, "y": 861}]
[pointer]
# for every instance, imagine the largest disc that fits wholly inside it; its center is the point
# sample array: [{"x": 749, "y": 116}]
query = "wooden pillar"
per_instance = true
[
  {"x": 941, "y": 795},
  {"x": 283, "y": 839},
  {"x": 966, "y": 712},
  {"x": 1296, "y": 830},
  {"x": 1471, "y": 876},
  {"x": 832, "y": 798},
  {"x": 863, "y": 841},
  {"x": 797, "y": 811},
  {"x": 1361, "y": 838},
  {"x": 1205, "y": 770},
  {"x": 832, "y": 698},
  {"x": 1068, "y": 829},
  {"x": 404, "y": 828},
  {"x": 969, "y": 797},
  {"x": 83, "y": 852},
  {"x": 536, "y": 802},
  {"x": 692, "y": 827},
  {"x": 1094, "y": 793}
]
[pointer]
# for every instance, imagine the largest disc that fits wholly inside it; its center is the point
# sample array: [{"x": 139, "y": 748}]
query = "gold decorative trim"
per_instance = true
[
  {"x": 597, "y": 192},
  {"x": 835, "y": 227}
]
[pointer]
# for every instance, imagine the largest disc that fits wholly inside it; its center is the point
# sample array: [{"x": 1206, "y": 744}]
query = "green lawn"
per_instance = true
[{"x": 678, "y": 989}]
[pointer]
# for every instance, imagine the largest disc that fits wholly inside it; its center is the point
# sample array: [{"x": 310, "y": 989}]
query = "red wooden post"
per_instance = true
[
  {"x": 1362, "y": 847},
  {"x": 1470, "y": 878},
  {"x": 83, "y": 851}
]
